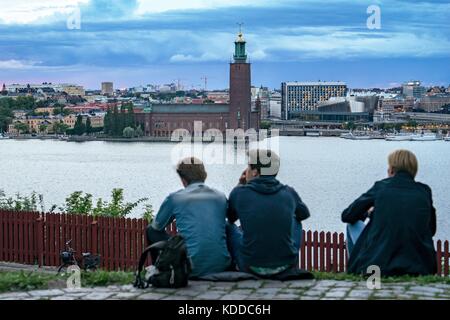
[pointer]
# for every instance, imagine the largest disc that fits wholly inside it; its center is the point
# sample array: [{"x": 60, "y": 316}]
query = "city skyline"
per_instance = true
[{"x": 134, "y": 43}]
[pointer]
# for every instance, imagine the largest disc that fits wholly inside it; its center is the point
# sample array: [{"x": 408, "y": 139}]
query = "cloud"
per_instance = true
[
  {"x": 26, "y": 11},
  {"x": 17, "y": 64},
  {"x": 159, "y": 6}
]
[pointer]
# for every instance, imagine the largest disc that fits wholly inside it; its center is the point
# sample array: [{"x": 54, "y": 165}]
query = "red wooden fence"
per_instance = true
[{"x": 38, "y": 238}]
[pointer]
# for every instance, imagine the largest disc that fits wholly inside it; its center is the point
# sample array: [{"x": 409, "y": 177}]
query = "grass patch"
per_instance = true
[
  {"x": 24, "y": 281},
  {"x": 27, "y": 280},
  {"x": 351, "y": 277}
]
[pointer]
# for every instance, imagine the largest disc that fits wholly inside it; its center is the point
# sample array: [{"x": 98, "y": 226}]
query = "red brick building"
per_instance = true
[{"x": 162, "y": 119}]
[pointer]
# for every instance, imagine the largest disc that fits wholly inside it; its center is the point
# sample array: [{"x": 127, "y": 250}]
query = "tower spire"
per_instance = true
[{"x": 240, "y": 56}]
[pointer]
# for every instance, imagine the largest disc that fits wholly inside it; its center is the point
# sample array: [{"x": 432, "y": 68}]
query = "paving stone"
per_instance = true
[
  {"x": 344, "y": 284},
  {"x": 151, "y": 296},
  {"x": 251, "y": 284},
  {"x": 269, "y": 290},
  {"x": 260, "y": 296},
  {"x": 251, "y": 290},
  {"x": 75, "y": 290},
  {"x": 286, "y": 296},
  {"x": 46, "y": 293},
  {"x": 234, "y": 297},
  {"x": 98, "y": 296},
  {"x": 336, "y": 294},
  {"x": 186, "y": 292},
  {"x": 210, "y": 296},
  {"x": 16, "y": 295},
  {"x": 313, "y": 293},
  {"x": 359, "y": 294},
  {"x": 161, "y": 290},
  {"x": 274, "y": 284},
  {"x": 63, "y": 298},
  {"x": 429, "y": 290},
  {"x": 243, "y": 292},
  {"x": 301, "y": 284},
  {"x": 177, "y": 298},
  {"x": 124, "y": 295}
]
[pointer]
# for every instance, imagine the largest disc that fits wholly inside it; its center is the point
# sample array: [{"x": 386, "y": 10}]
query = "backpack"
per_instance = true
[{"x": 171, "y": 268}]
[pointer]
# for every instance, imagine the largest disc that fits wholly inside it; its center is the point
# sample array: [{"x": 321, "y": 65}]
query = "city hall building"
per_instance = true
[{"x": 161, "y": 120}]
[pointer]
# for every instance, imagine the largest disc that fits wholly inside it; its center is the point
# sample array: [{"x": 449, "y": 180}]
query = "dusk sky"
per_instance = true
[{"x": 138, "y": 42}]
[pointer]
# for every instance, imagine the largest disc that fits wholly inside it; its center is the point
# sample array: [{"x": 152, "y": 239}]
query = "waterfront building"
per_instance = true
[
  {"x": 73, "y": 90},
  {"x": 297, "y": 97},
  {"x": 163, "y": 119},
  {"x": 275, "y": 105},
  {"x": 107, "y": 88},
  {"x": 261, "y": 93},
  {"x": 434, "y": 103},
  {"x": 413, "y": 89}
]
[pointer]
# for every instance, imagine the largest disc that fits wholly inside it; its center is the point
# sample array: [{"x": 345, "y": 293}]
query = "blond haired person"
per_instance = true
[{"x": 402, "y": 222}]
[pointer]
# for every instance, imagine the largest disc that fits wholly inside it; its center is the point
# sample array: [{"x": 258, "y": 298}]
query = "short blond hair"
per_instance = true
[{"x": 403, "y": 160}]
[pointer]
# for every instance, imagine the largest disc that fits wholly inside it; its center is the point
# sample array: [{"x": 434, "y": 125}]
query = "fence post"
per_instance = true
[
  {"x": 446, "y": 258},
  {"x": 439, "y": 257},
  {"x": 94, "y": 237},
  {"x": 40, "y": 240}
]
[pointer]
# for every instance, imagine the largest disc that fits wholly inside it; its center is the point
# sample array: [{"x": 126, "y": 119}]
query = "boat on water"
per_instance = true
[
  {"x": 351, "y": 136},
  {"x": 447, "y": 138},
  {"x": 425, "y": 137},
  {"x": 399, "y": 137},
  {"x": 3, "y": 137}
]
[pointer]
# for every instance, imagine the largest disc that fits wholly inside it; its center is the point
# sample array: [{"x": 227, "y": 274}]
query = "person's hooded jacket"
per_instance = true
[{"x": 267, "y": 211}]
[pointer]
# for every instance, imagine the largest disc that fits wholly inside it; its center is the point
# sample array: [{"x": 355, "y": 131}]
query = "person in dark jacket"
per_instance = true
[
  {"x": 402, "y": 222},
  {"x": 270, "y": 215}
]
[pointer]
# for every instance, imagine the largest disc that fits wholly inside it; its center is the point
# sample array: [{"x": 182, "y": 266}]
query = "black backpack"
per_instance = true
[{"x": 172, "y": 265}]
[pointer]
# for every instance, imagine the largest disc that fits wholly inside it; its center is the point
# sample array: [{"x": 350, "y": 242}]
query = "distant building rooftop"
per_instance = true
[{"x": 190, "y": 108}]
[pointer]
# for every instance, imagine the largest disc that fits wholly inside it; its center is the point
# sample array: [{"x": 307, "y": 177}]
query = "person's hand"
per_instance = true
[
  {"x": 370, "y": 211},
  {"x": 242, "y": 179}
]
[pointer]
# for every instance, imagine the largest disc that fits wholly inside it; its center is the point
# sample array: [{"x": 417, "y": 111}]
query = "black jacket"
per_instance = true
[
  {"x": 267, "y": 209},
  {"x": 399, "y": 236}
]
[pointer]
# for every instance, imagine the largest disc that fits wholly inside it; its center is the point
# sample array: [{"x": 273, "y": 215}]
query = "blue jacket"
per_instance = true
[
  {"x": 266, "y": 210},
  {"x": 200, "y": 214}
]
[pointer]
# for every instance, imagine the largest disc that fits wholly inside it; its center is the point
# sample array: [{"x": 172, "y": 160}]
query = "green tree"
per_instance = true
[
  {"x": 265, "y": 125},
  {"x": 107, "y": 125},
  {"x": 116, "y": 128},
  {"x": 129, "y": 122},
  {"x": 24, "y": 103},
  {"x": 6, "y": 117},
  {"x": 128, "y": 132},
  {"x": 21, "y": 127},
  {"x": 43, "y": 128},
  {"x": 79, "y": 128},
  {"x": 88, "y": 125},
  {"x": 60, "y": 127},
  {"x": 42, "y": 104}
]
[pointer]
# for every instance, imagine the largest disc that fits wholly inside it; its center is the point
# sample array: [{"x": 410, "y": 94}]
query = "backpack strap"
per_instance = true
[{"x": 139, "y": 283}]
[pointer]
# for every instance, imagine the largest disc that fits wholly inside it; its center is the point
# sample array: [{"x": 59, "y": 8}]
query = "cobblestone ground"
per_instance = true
[{"x": 246, "y": 290}]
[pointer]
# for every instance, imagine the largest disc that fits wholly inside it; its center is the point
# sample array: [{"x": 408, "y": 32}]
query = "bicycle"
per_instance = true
[{"x": 90, "y": 262}]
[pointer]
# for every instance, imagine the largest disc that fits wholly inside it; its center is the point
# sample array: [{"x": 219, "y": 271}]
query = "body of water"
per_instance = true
[{"x": 328, "y": 173}]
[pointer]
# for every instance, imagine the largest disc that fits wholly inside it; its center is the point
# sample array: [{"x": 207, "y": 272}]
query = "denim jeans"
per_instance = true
[
  {"x": 235, "y": 239},
  {"x": 353, "y": 232}
]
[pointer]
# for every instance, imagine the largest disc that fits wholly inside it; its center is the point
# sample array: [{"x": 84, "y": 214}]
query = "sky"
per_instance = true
[{"x": 139, "y": 42}]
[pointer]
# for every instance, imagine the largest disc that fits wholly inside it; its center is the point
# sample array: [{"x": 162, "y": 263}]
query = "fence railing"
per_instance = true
[{"x": 38, "y": 238}]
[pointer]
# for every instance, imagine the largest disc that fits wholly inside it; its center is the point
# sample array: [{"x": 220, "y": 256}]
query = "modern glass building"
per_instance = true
[{"x": 306, "y": 96}]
